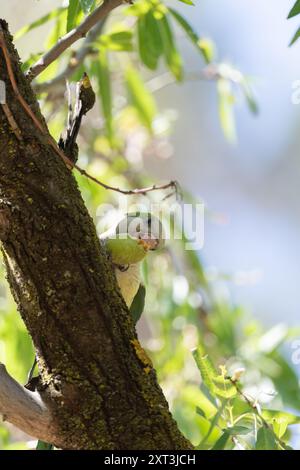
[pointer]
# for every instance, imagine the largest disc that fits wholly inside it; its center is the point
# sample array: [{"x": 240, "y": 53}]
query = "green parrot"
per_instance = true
[{"x": 128, "y": 244}]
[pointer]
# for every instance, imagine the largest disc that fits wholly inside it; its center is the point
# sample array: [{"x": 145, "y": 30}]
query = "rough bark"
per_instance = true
[{"x": 96, "y": 380}]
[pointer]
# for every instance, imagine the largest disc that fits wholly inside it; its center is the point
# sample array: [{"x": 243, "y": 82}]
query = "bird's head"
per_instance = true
[{"x": 134, "y": 236}]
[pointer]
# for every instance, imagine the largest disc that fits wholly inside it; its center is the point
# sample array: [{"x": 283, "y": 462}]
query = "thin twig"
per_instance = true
[
  {"x": 172, "y": 184},
  {"x": 72, "y": 36},
  {"x": 14, "y": 126},
  {"x": 255, "y": 409}
]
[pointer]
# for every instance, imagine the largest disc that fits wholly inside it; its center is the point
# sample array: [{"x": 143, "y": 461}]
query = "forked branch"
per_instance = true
[{"x": 72, "y": 36}]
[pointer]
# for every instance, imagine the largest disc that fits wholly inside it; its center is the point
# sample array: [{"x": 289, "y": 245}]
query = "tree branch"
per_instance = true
[
  {"x": 23, "y": 408},
  {"x": 74, "y": 63},
  {"x": 77, "y": 33}
]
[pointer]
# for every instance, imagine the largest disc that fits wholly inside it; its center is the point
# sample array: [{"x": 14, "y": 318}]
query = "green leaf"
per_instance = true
[
  {"x": 31, "y": 60},
  {"x": 217, "y": 384},
  {"x": 265, "y": 439},
  {"x": 35, "y": 24},
  {"x": 295, "y": 37},
  {"x": 286, "y": 382},
  {"x": 295, "y": 10},
  {"x": 73, "y": 10},
  {"x": 138, "y": 304},
  {"x": 55, "y": 33},
  {"x": 226, "y": 114},
  {"x": 238, "y": 430},
  {"x": 211, "y": 433},
  {"x": 41, "y": 445},
  {"x": 204, "y": 46},
  {"x": 87, "y": 5},
  {"x": 140, "y": 97},
  {"x": 280, "y": 420},
  {"x": 117, "y": 41},
  {"x": 208, "y": 49},
  {"x": 221, "y": 442},
  {"x": 246, "y": 89},
  {"x": 213, "y": 424},
  {"x": 138, "y": 9},
  {"x": 149, "y": 40},
  {"x": 188, "y": 2},
  {"x": 104, "y": 85},
  {"x": 171, "y": 54}
]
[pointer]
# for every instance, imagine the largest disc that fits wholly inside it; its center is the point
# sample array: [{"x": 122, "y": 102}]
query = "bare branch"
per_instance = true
[
  {"x": 77, "y": 33},
  {"x": 74, "y": 63},
  {"x": 24, "y": 409}
]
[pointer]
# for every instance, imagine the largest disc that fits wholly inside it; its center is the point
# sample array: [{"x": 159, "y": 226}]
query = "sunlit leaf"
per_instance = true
[
  {"x": 280, "y": 420},
  {"x": 171, "y": 54},
  {"x": 138, "y": 9},
  {"x": 212, "y": 433},
  {"x": 217, "y": 384},
  {"x": 188, "y": 2},
  {"x": 140, "y": 97},
  {"x": 35, "y": 24},
  {"x": 226, "y": 114},
  {"x": 204, "y": 46},
  {"x": 208, "y": 49},
  {"x": 120, "y": 40},
  {"x": 102, "y": 72},
  {"x": 149, "y": 40}
]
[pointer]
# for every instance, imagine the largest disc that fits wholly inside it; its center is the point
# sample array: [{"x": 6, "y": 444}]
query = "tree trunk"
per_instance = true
[{"x": 95, "y": 378}]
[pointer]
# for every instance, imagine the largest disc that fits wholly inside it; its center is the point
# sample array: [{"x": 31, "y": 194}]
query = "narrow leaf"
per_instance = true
[
  {"x": 87, "y": 5},
  {"x": 104, "y": 84},
  {"x": 35, "y": 24},
  {"x": 149, "y": 40},
  {"x": 221, "y": 442},
  {"x": 73, "y": 10},
  {"x": 226, "y": 114},
  {"x": 188, "y": 2},
  {"x": 295, "y": 37},
  {"x": 140, "y": 97},
  {"x": 116, "y": 41},
  {"x": 202, "y": 47},
  {"x": 172, "y": 56},
  {"x": 295, "y": 10}
]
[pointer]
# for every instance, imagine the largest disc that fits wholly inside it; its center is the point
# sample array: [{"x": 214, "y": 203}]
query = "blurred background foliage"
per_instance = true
[{"x": 239, "y": 389}]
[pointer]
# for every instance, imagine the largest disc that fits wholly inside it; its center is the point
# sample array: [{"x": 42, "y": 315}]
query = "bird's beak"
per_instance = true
[{"x": 148, "y": 243}]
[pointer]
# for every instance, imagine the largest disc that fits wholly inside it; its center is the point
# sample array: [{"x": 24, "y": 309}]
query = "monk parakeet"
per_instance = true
[{"x": 128, "y": 244}]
